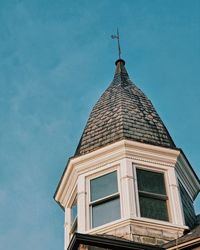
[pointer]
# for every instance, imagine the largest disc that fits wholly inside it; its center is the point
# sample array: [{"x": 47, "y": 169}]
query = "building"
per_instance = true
[{"x": 128, "y": 186}]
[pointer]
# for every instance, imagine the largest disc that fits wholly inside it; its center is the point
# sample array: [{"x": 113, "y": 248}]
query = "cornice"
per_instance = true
[
  {"x": 136, "y": 151},
  {"x": 187, "y": 176}
]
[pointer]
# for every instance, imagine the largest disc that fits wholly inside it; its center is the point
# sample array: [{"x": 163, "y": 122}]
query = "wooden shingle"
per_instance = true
[{"x": 123, "y": 112}]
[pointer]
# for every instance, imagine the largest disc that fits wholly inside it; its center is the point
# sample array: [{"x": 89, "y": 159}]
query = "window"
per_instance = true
[
  {"x": 74, "y": 216},
  {"x": 152, "y": 195},
  {"x": 104, "y": 199}
]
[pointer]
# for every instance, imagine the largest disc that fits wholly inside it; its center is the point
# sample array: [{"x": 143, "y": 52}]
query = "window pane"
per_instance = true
[
  {"x": 153, "y": 208},
  {"x": 151, "y": 182},
  {"x": 105, "y": 212},
  {"x": 103, "y": 186},
  {"x": 73, "y": 213}
]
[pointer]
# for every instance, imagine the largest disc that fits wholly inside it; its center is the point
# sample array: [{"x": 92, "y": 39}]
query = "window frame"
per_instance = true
[
  {"x": 105, "y": 199},
  {"x": 74, "y": 223},
  {"x": 160, "y": 197}
]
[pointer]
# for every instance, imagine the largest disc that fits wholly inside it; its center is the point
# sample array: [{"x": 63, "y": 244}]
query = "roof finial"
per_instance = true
[{"x": 117, "y": 37}]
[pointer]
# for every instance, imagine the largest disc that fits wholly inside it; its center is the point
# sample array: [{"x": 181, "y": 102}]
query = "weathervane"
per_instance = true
[{"x": 117, "y": 37}]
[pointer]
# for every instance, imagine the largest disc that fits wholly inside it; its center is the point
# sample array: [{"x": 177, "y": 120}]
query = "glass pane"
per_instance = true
[
  {"x": 105, "y": 212},
  {"x": 151, "y": 181},
  {"x": 103, "y": 186},
  {"x": 73, "y": 213},
  {"x": 153, "y": 208}
]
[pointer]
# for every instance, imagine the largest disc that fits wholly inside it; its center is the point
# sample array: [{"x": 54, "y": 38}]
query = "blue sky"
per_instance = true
[{"x": 56, "y": 58}]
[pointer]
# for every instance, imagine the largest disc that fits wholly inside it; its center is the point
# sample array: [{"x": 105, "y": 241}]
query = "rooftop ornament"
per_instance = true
[{"x": 118, "y": 40}]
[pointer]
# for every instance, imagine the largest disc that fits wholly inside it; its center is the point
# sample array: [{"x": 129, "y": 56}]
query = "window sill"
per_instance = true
[
  {"x": 106, "y": 228},
  {"x": 160, "y": 223}
]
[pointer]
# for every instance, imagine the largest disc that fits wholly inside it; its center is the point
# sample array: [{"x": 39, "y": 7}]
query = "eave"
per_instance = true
[
  {"x": 107, "y": 243},
  {"x": 137, "y": 151}
]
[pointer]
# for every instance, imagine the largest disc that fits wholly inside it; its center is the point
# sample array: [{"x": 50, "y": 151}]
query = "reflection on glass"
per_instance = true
[
  {"x": 105, "y": 212},
  {"x": 73, "y": 213},
  {"x": 152, "y": 195},
  {"x": 153, "y": 208},
  {"x": 152, "y": 182},
  {"x": 103, "y": 186}
]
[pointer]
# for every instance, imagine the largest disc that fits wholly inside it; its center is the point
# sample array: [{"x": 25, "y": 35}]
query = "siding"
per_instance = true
[{"x": 188, "y": 207}]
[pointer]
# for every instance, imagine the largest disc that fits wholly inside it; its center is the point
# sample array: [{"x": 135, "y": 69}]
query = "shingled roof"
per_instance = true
[
  {"x": 123, "y": 112},
  {"x": 192, "y": 237}
]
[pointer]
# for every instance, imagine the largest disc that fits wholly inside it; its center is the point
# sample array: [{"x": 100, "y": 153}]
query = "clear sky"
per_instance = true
[{"x": 56, "y": 59}]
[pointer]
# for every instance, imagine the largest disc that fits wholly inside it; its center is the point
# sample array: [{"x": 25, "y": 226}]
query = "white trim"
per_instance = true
[
  {"x": 140, "y": 152},
  {"x": 187, "y": 176},
  {"x": 179, "y": 196},
  {"x": 81, "y": 202},
  {"x": 69, "y": 190},
  {"x": 175, "y": 198},
  {"x": 72, "y": 196},
  {"x": 136, "y": 195},
  {"x": 67, "y": 225},
  {"x": 127, "y": 187},
  {"x": 106, "y": 228},
  {"x": 184, "y": 182}
]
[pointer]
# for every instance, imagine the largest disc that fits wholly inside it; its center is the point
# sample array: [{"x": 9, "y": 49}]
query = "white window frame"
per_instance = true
[
  {"x": 72, "y": 224},
  {"x": 156, "y": 170},
  {"x": 106, "y": 198}
]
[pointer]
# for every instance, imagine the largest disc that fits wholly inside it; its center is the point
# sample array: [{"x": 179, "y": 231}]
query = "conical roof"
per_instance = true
[{"x": 123, "y": 112}]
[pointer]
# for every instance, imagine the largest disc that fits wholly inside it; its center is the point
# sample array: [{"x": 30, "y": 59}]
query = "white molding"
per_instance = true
[
  {"x": 140, "y": 222},
  {"x": 187, "y": 177},
  {"x": 81, "y": 203},
  {"x": 67, "y": 227},
  {"x": 136, "y": 195},
  {"x": 139, "y": 152},
  {"x": 127, "y": 187},
  {"x": 174, "y": 198}
]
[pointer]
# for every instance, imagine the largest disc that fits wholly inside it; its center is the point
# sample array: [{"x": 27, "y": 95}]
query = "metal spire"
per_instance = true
[{"x": 117, "y": 37}]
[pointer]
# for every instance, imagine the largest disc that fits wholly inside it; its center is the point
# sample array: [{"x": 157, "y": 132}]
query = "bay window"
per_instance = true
[{"x": 104, "y": 199}]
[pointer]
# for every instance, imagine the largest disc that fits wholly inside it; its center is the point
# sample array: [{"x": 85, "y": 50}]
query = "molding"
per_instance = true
[
  {"x": 140, "y": 222},
  {"x": 158, "y": 224},
  {"x": 69, "y": 189},
  {"x": 116, "y": 156},
  {"x": 187, "y": 176},
  {"x": 138, "y": 152}
]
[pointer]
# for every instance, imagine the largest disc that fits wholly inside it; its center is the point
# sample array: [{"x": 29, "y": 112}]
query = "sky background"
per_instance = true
[{"x": 56, "y": 59}]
